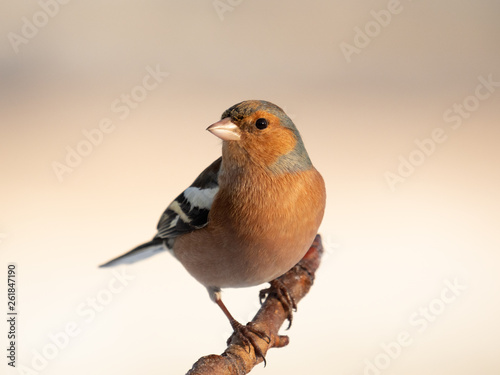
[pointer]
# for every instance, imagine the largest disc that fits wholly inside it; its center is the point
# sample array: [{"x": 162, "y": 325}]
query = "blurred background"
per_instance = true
[{"x": 103, "y": 110}]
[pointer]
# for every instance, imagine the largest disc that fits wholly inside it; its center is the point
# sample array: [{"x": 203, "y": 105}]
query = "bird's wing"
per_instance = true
[{"x": 189, "y": 211}]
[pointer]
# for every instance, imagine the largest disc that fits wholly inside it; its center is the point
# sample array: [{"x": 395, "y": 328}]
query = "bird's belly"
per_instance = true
[{"x": 229, "y": 261}]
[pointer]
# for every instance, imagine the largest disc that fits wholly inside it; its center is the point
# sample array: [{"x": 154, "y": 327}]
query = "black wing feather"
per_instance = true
[{"x": 182, "y": 215}]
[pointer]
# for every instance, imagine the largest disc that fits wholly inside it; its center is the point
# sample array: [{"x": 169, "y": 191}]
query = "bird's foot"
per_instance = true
[
  {"x": 246, "y": 334},
  {"x": 281, "y": 292}
]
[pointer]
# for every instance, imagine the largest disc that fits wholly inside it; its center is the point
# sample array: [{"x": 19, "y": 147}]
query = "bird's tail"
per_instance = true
[{"x": 140, "y": 252}]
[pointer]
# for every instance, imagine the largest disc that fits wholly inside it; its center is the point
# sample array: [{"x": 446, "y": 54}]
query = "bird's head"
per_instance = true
[{"x": 260, "y": 132}]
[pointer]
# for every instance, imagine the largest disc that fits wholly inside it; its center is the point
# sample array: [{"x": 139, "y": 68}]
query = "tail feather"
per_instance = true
[{"x": 139, "y": 253}]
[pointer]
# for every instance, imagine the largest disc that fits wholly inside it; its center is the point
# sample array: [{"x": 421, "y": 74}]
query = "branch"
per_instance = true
[{"x": 239, "y": 359}]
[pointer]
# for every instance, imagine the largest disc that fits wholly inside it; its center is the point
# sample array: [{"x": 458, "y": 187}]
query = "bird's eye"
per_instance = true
[{"x": 261, "y": 123}]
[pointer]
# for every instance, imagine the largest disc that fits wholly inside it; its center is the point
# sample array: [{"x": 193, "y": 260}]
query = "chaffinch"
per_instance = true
[{"x": 251, "y": 215}]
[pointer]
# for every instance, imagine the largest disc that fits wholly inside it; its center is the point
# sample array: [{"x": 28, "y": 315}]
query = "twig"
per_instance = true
[{"x": 239, "y": 359}]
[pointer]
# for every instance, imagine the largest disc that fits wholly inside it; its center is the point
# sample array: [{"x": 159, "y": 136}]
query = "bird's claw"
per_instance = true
[
  {"x": 281, "y": 292},
  {"x": 263, "y": 294},
  {"x": 245, "y": 333}
]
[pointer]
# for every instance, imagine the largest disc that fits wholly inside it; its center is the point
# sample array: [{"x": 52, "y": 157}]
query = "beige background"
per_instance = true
[{"x": 389, "y": 253}]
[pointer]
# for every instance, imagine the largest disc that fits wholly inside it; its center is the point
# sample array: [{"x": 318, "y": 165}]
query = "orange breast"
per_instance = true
[{"x": 258, "y": 229}]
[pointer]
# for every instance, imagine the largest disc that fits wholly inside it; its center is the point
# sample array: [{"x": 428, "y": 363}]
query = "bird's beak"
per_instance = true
[{"x": 225, "y": 130}]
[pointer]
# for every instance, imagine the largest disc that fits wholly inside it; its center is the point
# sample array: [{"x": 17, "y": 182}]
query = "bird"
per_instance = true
[{"x": 251, "y": 215}]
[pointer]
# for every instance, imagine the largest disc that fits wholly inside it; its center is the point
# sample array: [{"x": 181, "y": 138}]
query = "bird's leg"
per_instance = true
[
  {"x": 281, "y": 292},
  {"x": 243, "y": 331}
]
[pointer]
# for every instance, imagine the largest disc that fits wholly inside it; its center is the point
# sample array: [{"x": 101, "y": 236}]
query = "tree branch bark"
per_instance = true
[{"x": 238, "y": 358}]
